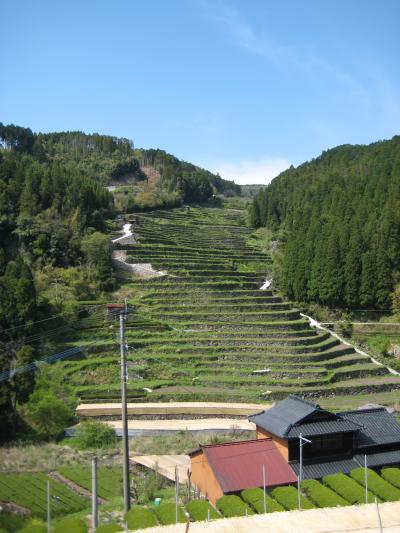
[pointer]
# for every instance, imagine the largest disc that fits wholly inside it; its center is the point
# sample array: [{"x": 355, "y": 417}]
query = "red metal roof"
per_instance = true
[{"x": 239, "y": 465}]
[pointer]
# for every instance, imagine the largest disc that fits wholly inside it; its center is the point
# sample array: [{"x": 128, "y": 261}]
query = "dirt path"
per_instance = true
[
  {"x": 73, "y": 486},
  {"x": 169, "y": 408}
]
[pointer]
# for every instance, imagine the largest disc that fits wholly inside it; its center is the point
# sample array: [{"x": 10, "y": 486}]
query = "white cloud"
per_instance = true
[{"x": 250, "y": 172}]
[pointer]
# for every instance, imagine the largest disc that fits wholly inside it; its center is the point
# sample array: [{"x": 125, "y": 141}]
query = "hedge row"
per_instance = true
[
  {"x": 255, "y": 498},
  {"x": 166, "y": 514},
  {"x": 140, "y": 518},
  {"x": 288, "y": 498},
  {"x": 392, "y": 475},
  {"x": 379, "y": 486},
  {"x": 321, "y": 495},
  {"x": 232, "y": 505},
  {"x": 200, "y": 510},
  {"x": 348, "y": 488}
]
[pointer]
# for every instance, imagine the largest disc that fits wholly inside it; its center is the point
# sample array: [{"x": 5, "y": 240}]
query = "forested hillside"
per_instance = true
[
  {"x": 113, "y": 160},
  {"x": 51, "y": 219},
  {"x": 338, "y": 218},
  {"x": 193, "y": 183}
]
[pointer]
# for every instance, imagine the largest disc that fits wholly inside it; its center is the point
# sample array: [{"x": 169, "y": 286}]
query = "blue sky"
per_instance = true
[{"x": 243, "y": 87}]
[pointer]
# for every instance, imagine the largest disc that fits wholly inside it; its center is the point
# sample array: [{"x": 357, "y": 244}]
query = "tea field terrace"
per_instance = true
[{"x": 206, "y": 331}]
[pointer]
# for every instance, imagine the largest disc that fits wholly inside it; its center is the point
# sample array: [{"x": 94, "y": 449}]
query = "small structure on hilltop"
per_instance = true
[
  {"x": 339, "y": 441},
  {"x": 234, "y": 466}
]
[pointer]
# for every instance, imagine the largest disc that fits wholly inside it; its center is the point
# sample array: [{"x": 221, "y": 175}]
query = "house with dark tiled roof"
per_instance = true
[{"x": 339, "y": 441}]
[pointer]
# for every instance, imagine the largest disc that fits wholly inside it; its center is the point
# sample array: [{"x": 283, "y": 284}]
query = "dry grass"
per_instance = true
[{"x": 39, "y": 457}]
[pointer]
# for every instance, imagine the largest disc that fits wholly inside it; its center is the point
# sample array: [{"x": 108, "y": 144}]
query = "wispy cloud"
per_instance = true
[
  {"x": 244, "y": 36},
  {"x": 302, "y": 61},
  {"x": 254, "y": 171}
]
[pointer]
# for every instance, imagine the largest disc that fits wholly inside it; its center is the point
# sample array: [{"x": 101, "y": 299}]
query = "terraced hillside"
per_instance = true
[{"x": 206, "y": 331}]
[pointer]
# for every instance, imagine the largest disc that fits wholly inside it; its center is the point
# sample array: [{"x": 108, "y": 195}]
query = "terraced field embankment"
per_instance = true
[{"x": 207, "y": 332}]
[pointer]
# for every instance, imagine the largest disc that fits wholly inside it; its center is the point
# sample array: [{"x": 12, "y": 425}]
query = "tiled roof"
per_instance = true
[
  {"x": 279, "y": 419},
  {"x": 293, "y": 415},
  {"x": 379, "y": 459},
  {"x": 239, "y": 465},
  {"x": 317, "y": 470},
  {"x": 378, "y": 427},
  {"x": 323, "y": 428}
]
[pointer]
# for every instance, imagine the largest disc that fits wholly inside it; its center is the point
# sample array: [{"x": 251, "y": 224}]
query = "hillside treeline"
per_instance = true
[
  {"x": 338, "y": 218},
  {"x": 110, "y": 159},
  {"x": 194, "y": 184},
  {"x": 51, "y": 222}
]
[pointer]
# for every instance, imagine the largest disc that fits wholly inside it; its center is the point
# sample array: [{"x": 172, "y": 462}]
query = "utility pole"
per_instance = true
[
  {"x": 265, "y": 496},
  {"x": 176, "y": 493},
  {"x": 379, "y": 516},
  {"x": 125, "y": 442},
  {"x": 95, "y": 514},
  {"x": 302, "y": 442},
  {"x": 48, "y": 508},
  {"x": 366, "y": 478}
]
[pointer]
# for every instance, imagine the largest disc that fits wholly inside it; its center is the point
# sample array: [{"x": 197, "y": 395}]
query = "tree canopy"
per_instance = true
[{"x": 339, "y": 220}]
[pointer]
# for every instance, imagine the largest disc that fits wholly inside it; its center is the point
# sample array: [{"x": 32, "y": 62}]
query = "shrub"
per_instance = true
[
  {"x": 288, "y": 498},
  {"x": 255, "y": 497},
  {"x": 322, "y": 495},
  {"x": 384, "y": 490},
  {"x": 140, "y": 518},
  {"x": 167, "y": 515},
  {"x": 232, "y": 505},
  {"x": 93, "y": 434},
  {"x": 113, "y": 527},
  {"x": 392, "y": 475},
  {"x": 12, "y": 521},
  {"x": 70, "y": 525},
  {"x": 347, "y": 487},
  {"x": 152, "y": 484},
  {"x": 198, "y": 510},
  {"x": 47, "y": 414}
]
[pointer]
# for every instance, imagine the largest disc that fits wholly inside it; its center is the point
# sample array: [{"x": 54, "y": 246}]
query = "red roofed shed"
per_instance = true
[{"x": 228, "y": 468}]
